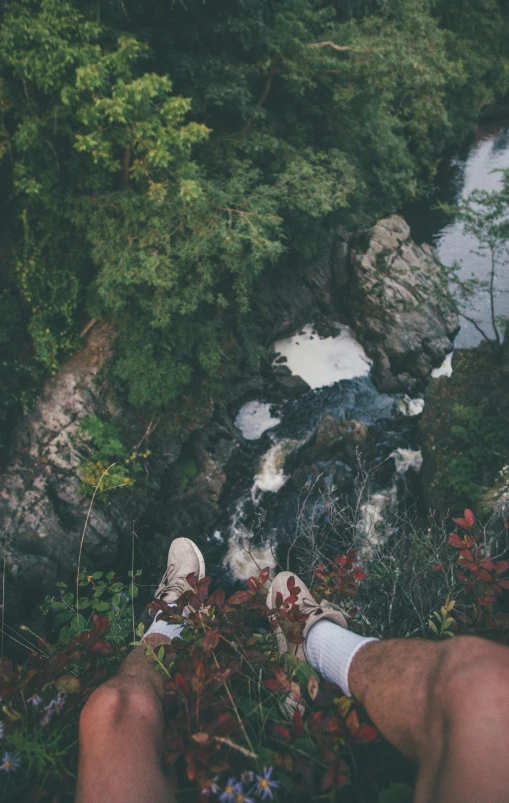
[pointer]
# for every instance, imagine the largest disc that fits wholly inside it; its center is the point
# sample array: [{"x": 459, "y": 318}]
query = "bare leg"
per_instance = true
[
  {"x": 121, "y": 729},
  {"x": 446, "y": 706}
]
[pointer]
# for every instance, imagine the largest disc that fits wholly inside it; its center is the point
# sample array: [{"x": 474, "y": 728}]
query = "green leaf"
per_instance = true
[{"x": 397, "y": 793}]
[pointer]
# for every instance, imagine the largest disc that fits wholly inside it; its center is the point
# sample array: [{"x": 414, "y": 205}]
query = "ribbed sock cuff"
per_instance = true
[
  {"x": 164, "y": 628},
  {"x": 331, "y": 649}
]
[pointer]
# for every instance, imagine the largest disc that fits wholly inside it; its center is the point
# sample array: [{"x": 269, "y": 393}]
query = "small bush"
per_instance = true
[
  {"x": 112, "y": 464},
  {"x": 238, "y": 712},
  {"x": 484, "y": 451}
]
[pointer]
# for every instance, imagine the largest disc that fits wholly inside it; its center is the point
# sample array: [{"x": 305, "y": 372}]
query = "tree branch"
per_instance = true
[{"x": 339, "y": 48}]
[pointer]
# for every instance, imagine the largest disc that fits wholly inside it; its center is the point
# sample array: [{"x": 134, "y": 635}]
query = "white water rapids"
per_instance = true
[{"x": 322, "y": 362}]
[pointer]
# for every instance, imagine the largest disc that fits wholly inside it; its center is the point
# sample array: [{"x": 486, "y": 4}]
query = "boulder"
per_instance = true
[
  {"x": 335, "y": 438},
  {"x": 43, "y": 508},
  {"x": 401, "y": 308},
  {"x": 288, "y": 385}
]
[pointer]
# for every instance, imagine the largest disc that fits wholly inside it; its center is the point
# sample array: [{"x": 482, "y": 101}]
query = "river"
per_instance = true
[
  {"x": 267, "y": 519},
  {"x": 476, "y": 165}
]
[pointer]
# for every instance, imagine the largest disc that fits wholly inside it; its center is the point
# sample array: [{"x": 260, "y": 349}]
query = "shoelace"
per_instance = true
[{"x": 169, "y": 583}]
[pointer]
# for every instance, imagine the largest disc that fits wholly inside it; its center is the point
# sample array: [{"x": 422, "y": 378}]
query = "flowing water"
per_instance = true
[
  {"x": 262, "y": 509},
  {"x": 476, "y": 166}
]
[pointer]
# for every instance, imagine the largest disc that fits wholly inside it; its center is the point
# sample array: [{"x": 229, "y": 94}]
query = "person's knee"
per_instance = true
[
  {"x": 113, "y": 702},
  {"x": 473, "y": 673}
]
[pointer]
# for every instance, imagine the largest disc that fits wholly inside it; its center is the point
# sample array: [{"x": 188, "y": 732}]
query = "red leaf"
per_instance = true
[
  {"x": 211, "y": 640},
  {"x": 182, "y": 683},
  {"x": 101, "y": 624},
  {"x": 455, "y": 541},
  {"x": 192, "y": 579},
  {"x": 217, "y": 598},
  {"x": 297, "y": 724},
  {"x": 101, "y": 648},
  {"x": 290, "y": 583},
  {"x": 466, "y": 556},
  {"x": 503, "y": 584},
  {"x": 279, "y": 599},
  {"x": 468, "y": 520},
  {"x": 438, "y": 567},
  {"x": 501, "y": 567},
  {"x": 485, "y": 600},
  {"x": 328, "y": 778},
  {"x": 365, "y": 734},
  {"x": 280, "y": 732},
  {"x": 253, "y": 656},
  {"x": 252, "y": 583},
  {"x": 239, "y": 597},
  {"x": 487, "y": 564},
  {"x": 264, "y": 576},
  {"x": 280, "y": 682}
]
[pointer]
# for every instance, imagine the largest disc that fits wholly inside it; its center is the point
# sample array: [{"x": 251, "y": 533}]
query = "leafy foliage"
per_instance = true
[
  {"x": 156, "y": 159},
  {"x": 484, "y": 440},
  {"x": 112, "y": 465},
  {"x": 235, "y": 706}
]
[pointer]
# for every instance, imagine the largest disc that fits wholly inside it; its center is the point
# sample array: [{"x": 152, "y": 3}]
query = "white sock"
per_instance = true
[
  {"x": 331, "y": 650},
  {"x": 164, "y": 628}
]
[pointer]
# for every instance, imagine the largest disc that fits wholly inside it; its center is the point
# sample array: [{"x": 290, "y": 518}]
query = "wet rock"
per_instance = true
[
  {"x": 42, "y": 508},
  {"x": 402, "y": 311},
  {"x": 334, "y": 438},
  {"x": 289, "y": 385}
]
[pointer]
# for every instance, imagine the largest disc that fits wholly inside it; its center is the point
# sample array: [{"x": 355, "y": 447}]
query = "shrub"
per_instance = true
[
  {"x": 238, "y": 712},
  {"x": 112, "y": 464},
  {"x": 484, "y": 445}
]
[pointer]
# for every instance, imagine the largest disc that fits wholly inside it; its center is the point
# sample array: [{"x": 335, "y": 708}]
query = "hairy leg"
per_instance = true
[
  {"x": 121, "y": 729},
  {"x": 446, "y": 706}
]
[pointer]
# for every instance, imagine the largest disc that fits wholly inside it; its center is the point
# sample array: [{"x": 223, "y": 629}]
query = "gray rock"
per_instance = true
[
  {"x": 289, "y": 385},
  {"x": 42, "y": 508},
  {"x": 401, "y": 308},
  {"x": 336, "y": 438}
]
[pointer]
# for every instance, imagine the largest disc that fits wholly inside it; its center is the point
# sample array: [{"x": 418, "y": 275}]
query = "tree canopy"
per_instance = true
[{"x": 156, "y": 158}]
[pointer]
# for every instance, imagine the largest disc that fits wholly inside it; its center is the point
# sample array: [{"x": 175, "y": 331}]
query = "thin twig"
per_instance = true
[
  {"x": 96, "y": 489},
  {"x": 339, "y": 48},
  {"x": 235, "y": 746}
]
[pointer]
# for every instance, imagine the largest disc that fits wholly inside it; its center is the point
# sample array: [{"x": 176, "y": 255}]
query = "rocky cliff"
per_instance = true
[
  {"x": 400, "y": 306},
  {"x": 388, "y": 290}
]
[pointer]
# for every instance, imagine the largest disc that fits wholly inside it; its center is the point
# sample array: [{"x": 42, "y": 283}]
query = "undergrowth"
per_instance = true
[{"x": 238, "y": 713}]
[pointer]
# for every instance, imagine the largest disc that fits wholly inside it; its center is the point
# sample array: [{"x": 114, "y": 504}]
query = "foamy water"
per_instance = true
[
  {"x": 409, "y": 406},
  {"x": 243, "y": 558},
  {"x": 255, "y": 418},
  {"x": 270, "y": 476},
  {"x": 445, "y": 369},
  {"x": 323, "y": 361}
]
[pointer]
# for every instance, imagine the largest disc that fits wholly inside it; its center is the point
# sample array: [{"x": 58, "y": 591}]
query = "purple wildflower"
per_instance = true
[
  {"x": 265, "y": 785},
  {"x": 10, "y": 763},
  {"x": 240, "y": 797},
  {"x": 60, "y": 701},
  {"x": 228, "y": 795},
  {"x": 35, "y": 700}
]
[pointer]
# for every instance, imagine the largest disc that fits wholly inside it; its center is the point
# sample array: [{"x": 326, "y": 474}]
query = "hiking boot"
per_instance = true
[
  {"x": 184, "y": 558},
  {"x": 295, "y": 611}
]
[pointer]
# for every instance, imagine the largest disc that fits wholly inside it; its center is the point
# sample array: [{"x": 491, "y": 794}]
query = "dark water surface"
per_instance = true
[{"x": 476, "y": 165}]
